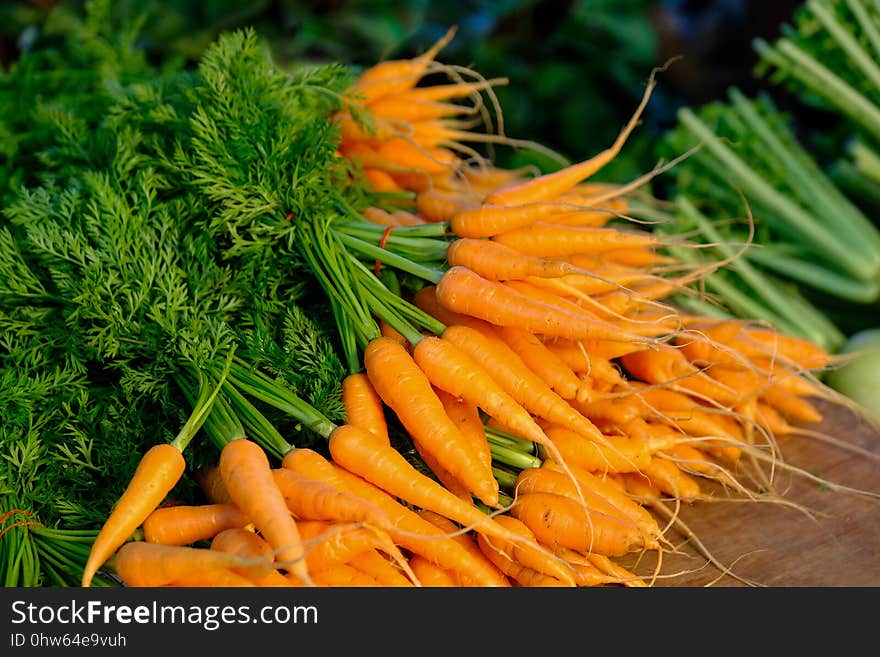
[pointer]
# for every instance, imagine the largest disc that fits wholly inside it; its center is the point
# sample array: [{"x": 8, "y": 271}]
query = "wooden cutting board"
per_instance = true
[{"x": 780, "y": 546}]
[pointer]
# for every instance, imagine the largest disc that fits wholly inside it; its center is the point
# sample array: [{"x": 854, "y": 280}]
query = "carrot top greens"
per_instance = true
[{"x": 152, "y": 220}]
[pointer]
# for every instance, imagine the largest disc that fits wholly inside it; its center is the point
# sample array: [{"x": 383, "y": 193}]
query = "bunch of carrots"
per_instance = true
[{"x": 561, "y": 410}]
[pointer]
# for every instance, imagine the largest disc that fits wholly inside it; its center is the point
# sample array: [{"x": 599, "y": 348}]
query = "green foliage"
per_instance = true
[{"x": 150, "y": 223}]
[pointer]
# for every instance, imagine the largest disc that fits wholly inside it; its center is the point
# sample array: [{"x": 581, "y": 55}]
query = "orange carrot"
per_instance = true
[
  {"x": 452, "y": 369},
  {"x": 668, "y": 366},
  {"x": 374, "y": 563},
  {"x": 670, "y": 479},
  {"x": 157, "y": 473},
  {"x": 559, "y": 520},
  {"x": 363, "y": 406},
  {"x": 435, "y": 205},
  {"x": 399, "y": 75},
  {"x": 466, "y": 416},
  {"x": 407, "y": 391},
  {"x": 545, "y": 363},
  {"x": 526, "y": 387},
  {"x": 311, "y": 499},
  {"x": 496, "y": 261},
  {"x": 212, "y": 486},
  {"x": 344, "y": 575},
  {"x": 443, "y": 475},
  {"x": 623, "y": 455},
  {"x": 385, "y": 467},
  {"x": 139, "y": 563},
  {"x": 546, "y": 240},
  {"x": 217, "y": 578},
  {"x": 331, "y": 543},
  {"x": 537, "y": 561},
  {"x": 551, "y": 185},
  {"x": 248, "y": 477},
  {"x": 251, "y": 547},
  {"x": 407, "y": 528},
  {"x": 430, "y": 574},
  {"x": 468, "y": 542},
  {"x": 463, "y": 291},
  {"x": 185, "y": 524},
  {"x": 607, "y": 487},
  {"x": 552, "y": 480},
  {"x": 519, "y": 573}
]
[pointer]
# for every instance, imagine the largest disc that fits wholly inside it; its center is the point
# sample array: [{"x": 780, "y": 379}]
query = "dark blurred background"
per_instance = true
[{"x": 576, "y": 67}]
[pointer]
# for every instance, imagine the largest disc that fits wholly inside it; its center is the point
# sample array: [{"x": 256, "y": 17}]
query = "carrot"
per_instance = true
[
  {"x": 468, "y": 542},
  {"x": 608, "y": 487},
  {"x": 184, "y": 524},
  {"x": 551, "y": 185},
  {"x": 532, "y": 559},
  {"x": 521, "y": 383},
  {"x": 399, "y": 75},
  {"x": 488, "y": 220},
  {"x": 251, "y": 547},
  {"x": 407, "y": 391},
  {"x": 439, "y": 92},
  {"x": 553, "y": 480},
  {"x": 496, "y": 261},
  {"x": 344, "y": 575},
  {"x": 332, "y": 543},
  {"x": 407, "y": 528},
  {"x": 466, "y": 416},
  {"x": 547, "y": 240},
  {"x": 139, "y": 563},
  {"x": 157, "y": 473},
  {"x": 311, "y": 499},
  {"x": 400, "y": 108},
  {"x": 463, "y": 291},
  {"x": 670, "y": 479},
  {"x": 623, "y": 455},
  {"x": 552, "y": 369},
  {"x": 217, "y": 578},
  {"x": 614, "y": 571},
  {"x": 559, "y": 520},
  {"x": 786, "y": 348},
  {"x": 430, "y": 574},
  {"x": 519, "y": 573},
  {"x": 403, "y": 156},
  {"x": 668, "y": 366},
  {"x": 363, "y": 406},
  {"x": 212, "y": 486},
  {"x": 248, "y": 477},
  {"x": 792, "y": 407},
  {"x": 380, "y": 181},
  {"x": 443, "y": 475},
  {"x": 426, "y": 299},
  {"x": 329, "y": 543},
  {"x": 385, "y": 467},
  {"x": 435, "y": 205},
  {"x": 374, "y": 563},
  {"x": 452, "y": 369}
]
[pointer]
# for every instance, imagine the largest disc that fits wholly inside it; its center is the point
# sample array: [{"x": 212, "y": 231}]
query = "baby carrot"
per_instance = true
[
  {"x": 248, "y": 477},
  {"x": 463, "y": 291},
  {"x": 363, "y": 406},
  {"x": 405, "y": 388},
  {"x": 157, "y": 473},
  {"x": 185, "y": 524}
]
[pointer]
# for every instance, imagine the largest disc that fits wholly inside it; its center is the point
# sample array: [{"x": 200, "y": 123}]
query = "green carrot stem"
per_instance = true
[{"x": 390, "y": 258}]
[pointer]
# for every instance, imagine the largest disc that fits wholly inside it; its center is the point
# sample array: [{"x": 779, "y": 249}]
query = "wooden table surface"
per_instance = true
[{"x": 780, "y": 546}]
